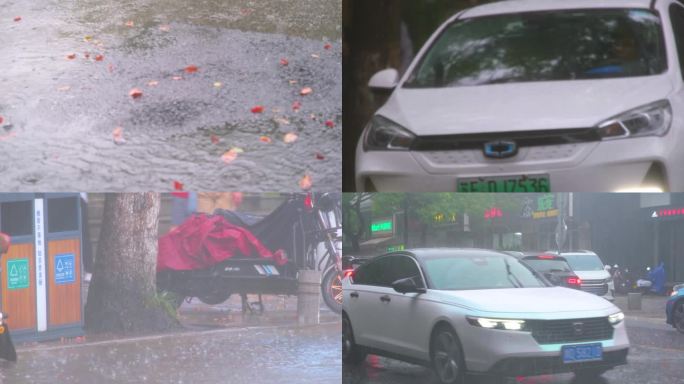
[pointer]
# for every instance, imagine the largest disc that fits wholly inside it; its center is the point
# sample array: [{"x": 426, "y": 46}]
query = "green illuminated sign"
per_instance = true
[
  {"x": 381, "y": 226},
  {"x": 394, "y": 248}
]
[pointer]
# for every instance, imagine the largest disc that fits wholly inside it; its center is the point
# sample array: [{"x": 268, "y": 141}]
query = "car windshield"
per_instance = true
[
  {"x": 479, "y": 272},
  {"x": 584, "y": 262},
  {"x": 542, "y": 265},
  {"x": 544, "y": 46}
]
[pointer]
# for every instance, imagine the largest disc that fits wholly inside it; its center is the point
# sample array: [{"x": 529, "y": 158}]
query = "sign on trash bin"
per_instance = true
[
  {"x": 17, "y": 273},
  {"x": 64, "y": 269}
]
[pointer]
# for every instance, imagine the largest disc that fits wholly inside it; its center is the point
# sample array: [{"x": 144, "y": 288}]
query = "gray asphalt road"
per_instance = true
[
  {"x": 308, "y": 355},
  {"x": 656, "y": 357},
  {"x": 59, "y": 113}
]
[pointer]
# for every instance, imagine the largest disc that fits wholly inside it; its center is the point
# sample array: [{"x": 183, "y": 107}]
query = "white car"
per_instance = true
[
  {"x": 592, "y": 273},
  {"x": 535, "y": 96},
  {"x": 476, "y": 311}
]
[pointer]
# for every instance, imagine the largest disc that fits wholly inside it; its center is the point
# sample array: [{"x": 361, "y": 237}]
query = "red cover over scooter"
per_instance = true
[{"x": 203, "y": 241}]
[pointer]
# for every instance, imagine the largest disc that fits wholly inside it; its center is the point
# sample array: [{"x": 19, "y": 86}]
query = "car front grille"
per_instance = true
[
  {"x": 597, "y": 287},
  {"x": 570, "y": 330}
]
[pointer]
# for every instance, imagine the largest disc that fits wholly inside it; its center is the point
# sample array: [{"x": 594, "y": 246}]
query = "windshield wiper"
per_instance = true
[{"x": 509, "y": 274}]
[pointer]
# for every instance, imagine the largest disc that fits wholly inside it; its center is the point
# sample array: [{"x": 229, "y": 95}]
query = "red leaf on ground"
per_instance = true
[
  {"x": 284, "y": 62},
  {"x": 296, "y": 106},
  {"x": 191, "y": 69},
  {"x": 71, "y": 56},
  {"x": 99, "y": 57},
  {"x": 214, "y": 139},
  {"x": 135, "y": 93},
  {"x": 329, "y": 124},
  {"x": 257, "y": 109},
  {"x": 327, "y": 46},
  {"x": 117, "y": 135},
  {"x": 17, "y": 18},
  {"x": 306, "y": 91},
  {"x": 319, "y": 156},
  {"x": 305, "y": 182},
  {"x": 265, "y": 139},
  {"x": 177, "y": 185}
]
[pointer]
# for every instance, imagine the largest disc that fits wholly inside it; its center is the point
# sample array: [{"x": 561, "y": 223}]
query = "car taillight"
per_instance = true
[
  {"x": 574, "y": 281},
  {"x": 348, "y": 273},
  {"x": 546, "y": 257}
]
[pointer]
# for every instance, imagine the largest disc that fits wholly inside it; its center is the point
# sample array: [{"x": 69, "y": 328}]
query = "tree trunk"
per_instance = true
[{"x": 122, "y": 295}]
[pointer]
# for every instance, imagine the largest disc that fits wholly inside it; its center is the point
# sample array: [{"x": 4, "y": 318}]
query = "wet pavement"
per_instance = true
[
  {"x": 60, "y": 114},
  {"x": 656, "y": 357},
  {"x": 239, "y": 355}
]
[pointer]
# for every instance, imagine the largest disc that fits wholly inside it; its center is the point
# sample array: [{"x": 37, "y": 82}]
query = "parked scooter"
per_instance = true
[
  {"x": 7, "y": 350},
  {"x": 645, "y": 282}
]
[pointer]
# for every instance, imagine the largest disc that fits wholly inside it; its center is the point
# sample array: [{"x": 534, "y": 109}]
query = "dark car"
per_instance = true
[{"x": 553, "y": 267}]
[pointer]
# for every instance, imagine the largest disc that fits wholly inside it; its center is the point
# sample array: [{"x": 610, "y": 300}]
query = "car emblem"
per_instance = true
[
  {"x": 500, "y": 149},
  {"x": 578, "y": 328}
]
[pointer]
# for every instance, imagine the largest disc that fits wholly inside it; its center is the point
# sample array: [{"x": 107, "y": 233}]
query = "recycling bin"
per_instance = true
[{"x": 41, "y": 272}]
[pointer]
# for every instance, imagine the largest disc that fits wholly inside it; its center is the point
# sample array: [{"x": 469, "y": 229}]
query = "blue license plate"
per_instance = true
[{"x": 583, "y": 352}]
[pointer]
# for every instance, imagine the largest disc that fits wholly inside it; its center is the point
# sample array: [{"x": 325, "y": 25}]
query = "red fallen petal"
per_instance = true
[
  {"x": 117, "y": 135},
  {"x": 135, "y": 93},
  {"x": 258, "y": 109},
  {"x": 191, "y": 69},
  {"x": 305, "y": 91},
  {"x": 99, "y": 58},
  {"x": 129, "y": 23},
  {"x": 1, "y": 119},
  {"x": 177, "y": 78},
  {"x": 265, "y": 139},
  {"x": 177, "y": 185},
  {"x": 214, "y": 139},
  {"x": 17, "y": 18},
  {"x": 319, "y": 156},
  {"x": 284, "y": 62},
  {"x": 86, "y": 55},
  {"x": 327, "y": 46},
  {"x": 296, "y": 106},
  {"x": 71, "y": 56},
  {"x": 306, "y": 182},
  {"x": 329, "y": 124}
]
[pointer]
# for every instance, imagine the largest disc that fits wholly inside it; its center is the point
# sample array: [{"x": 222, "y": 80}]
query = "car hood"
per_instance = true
[
  {"x": 521, "y": 106},
  {"x": 549, "y": 302}
]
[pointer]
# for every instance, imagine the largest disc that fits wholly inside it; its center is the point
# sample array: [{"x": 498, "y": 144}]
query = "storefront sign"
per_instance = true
[
  {"x": 546, "y": 207},
  {"x": 667, "y": 212},
  {"x": 381, "y": 226},
  {"x": 493, "y": 212},
  {"x": 394, "y": 248},
  {"x": 64, "y": 269},
  {"x": 17, "y": 273}
]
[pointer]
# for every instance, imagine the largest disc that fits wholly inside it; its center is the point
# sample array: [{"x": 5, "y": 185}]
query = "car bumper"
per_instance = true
[
  {"x": 615, "y": 165},
  {"x": 488, "y": 351}
]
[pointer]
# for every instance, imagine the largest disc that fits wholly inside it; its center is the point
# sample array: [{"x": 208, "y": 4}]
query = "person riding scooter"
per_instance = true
[{"x": 7, "y": 350}]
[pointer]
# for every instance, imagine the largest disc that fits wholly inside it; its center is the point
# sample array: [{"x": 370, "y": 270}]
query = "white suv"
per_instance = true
[
  {"x": 535, "y": 96},
  {"x": 588, "y": 266}
]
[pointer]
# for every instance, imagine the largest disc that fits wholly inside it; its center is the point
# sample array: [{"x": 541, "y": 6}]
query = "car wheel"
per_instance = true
[
  {"x": 587, "y": 374},
  {"x": 351, "y": 353},
  {"x": 678, "y": 316},
  {"x": 447, "y": 356}
]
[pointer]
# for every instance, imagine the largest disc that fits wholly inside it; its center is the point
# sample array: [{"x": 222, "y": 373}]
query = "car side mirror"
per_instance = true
[
  {"x": 384, "y": 81},
  {"x": 407, "y": 285}
]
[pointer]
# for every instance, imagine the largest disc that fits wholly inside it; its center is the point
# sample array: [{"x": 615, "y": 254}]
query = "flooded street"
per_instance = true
[
  {"x": 246, "y": 355},
  {"x": 202, "y": 67}
]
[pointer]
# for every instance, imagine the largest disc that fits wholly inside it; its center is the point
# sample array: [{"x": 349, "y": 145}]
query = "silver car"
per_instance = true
[{"x": 476, "y": 311}]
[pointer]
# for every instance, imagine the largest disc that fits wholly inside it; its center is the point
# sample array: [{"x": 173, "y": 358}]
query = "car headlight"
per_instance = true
[
  {"x": 649, "y": 120},
  {"x": 674, "y": 293},
  {"x": 616, "y": 318},
  {"x": 384, "y": 134},
  {"x": 507, "y": 324}
]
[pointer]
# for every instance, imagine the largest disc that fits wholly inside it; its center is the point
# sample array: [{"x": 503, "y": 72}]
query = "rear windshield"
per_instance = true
[
  {"x": 481, "y": 272},
  {"x": 542, "y": 265},
  {"x": 584, "y": 262},
  {"x": 544, "y": 46}
]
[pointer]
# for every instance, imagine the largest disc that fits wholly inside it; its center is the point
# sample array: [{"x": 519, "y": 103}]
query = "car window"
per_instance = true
[
  {"x": 402, "y": 267},
  {"x": 677, "y": 17},
  {"x": 585, "y": 262},
  {"x": 479, "y": 272},
  {"x": 544, "y": 46},
  {"x": 542, "y": 265}
]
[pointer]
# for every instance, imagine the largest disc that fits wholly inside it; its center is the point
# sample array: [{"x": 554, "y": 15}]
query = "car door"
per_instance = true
[
  {"x": 368, "y": 288},
  {"x": 407, "y": 315}
]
